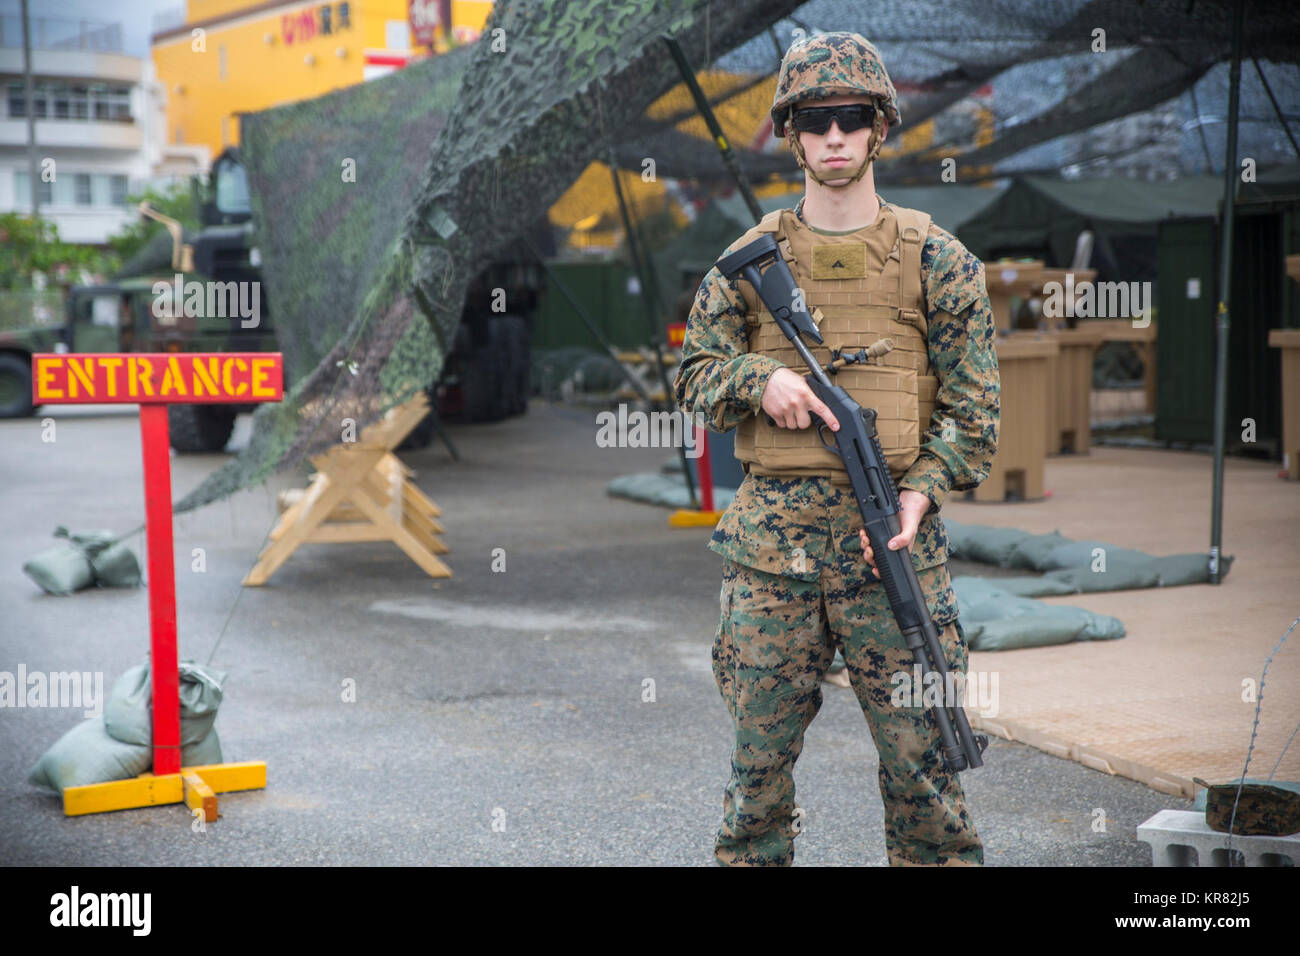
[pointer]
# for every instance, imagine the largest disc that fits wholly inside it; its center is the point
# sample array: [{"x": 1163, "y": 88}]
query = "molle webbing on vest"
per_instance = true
[{"x": 860, "y": 288}]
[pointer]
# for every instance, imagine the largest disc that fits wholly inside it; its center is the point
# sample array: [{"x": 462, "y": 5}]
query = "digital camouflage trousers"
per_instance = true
[{"x": 776, "y": 638}]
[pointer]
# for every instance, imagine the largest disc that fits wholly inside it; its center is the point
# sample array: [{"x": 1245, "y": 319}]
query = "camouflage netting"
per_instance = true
[
  {"x": 520, "y": 131},
  {"x": 456, "y": 155},
  {"x": 331, "y": 180}
]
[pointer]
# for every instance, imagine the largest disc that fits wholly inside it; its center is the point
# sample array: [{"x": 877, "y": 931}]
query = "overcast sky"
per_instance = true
[{"x": 135, "y": 16}]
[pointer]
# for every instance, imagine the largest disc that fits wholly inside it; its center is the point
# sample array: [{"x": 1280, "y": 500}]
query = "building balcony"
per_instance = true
[
  {"x": 74, "y": 134},
  {"x": 88, "y": 65}
]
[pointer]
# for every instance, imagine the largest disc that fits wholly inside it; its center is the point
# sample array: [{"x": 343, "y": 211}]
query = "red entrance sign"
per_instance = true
[
  {"x": 186, "y": 377},
  {"x": 155, "y": 380}
]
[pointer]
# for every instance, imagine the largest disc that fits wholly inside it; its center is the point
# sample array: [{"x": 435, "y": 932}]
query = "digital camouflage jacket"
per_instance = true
[{"x": 792, "y": 525}]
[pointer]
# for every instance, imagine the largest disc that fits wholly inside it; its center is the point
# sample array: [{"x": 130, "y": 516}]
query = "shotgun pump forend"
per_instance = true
[{"x": 858, "y": 445}]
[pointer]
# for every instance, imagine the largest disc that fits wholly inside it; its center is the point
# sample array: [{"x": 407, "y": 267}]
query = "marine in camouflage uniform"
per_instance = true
[{"x": 795, "y": 582}]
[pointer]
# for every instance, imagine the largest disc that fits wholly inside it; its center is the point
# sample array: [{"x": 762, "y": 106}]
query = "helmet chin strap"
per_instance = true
[{"x": 873, "y": 150}]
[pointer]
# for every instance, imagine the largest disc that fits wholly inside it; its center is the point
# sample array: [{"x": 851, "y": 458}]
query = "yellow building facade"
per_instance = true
[{"x": 236, "y": 56}]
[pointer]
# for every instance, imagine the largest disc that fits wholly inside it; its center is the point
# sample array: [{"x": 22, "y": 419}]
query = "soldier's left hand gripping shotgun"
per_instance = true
[{"x": 761, "y": 264}]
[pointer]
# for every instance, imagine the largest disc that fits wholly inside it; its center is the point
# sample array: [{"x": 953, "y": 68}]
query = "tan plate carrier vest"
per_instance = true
[{"x": 880, "y": 298}]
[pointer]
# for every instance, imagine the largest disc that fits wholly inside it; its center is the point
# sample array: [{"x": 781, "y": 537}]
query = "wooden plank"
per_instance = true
[
  {"x": 225, "y": 777},
  {"x": 415, "y": 519},
  {"x": 402, "y": 538},
  {"x": 145, "y": 790},
  {"x": 343, "y": 512},
  {"x": 380, "y": 491},
  {"x": 347, "y": 532},
  {"x": 402, "y": 500},
  {"x": 335, "y": 488},
  {"x": 416, "y": 497},
  {"x": 293, "y": 510},
  {"x": 199, "y": 796},
  {"x": 429, "y": 541}
]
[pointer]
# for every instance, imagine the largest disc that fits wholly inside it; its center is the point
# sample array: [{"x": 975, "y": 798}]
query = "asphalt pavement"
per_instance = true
[{"x": 500, "y": 716}]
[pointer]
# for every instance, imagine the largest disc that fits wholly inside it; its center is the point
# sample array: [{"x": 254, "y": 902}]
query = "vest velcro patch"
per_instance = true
[{"x": 839, "y": 261}]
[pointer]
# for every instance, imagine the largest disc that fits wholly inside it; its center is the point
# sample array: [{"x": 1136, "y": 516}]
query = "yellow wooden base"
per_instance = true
[
  {"x": 197, "y": 787},
  {"x": 689, "y": 518},
  {"x": 198, "y": 795}
]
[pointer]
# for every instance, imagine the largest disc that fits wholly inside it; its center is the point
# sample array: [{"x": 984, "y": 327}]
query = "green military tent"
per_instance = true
[{"x": 1042, "y": 216}]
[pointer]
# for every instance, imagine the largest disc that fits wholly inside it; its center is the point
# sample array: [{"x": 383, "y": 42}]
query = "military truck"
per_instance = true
[
  {"x": 27, "y": 324},
  {"x": 485, "y": 377},
  {"x": 123, "y": 316},
  {"x": 145, "y": 310}
]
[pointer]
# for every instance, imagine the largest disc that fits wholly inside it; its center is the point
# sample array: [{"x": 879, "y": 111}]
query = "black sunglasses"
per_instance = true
[{"x": 817, "y": 119}]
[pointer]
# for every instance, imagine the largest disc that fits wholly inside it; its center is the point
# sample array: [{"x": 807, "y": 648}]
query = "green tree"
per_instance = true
[{"x": 28, "y": 246}]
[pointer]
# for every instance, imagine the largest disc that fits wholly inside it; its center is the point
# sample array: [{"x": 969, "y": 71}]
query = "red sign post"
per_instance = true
[{"x": 155, "y": 380}]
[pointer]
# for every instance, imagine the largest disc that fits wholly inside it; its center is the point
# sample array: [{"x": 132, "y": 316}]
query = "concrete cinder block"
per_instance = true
[{"x": 1183, "y": 838}]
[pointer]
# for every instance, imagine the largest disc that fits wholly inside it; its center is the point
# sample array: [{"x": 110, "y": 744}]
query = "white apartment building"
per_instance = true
[{"x": 100, "y": 127}]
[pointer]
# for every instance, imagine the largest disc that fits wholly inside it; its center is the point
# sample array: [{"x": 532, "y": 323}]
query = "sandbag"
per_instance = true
[
  {"x": 116, "y": 567},
  {"x": 87, "y": 754},
  {"x": 983, "y": 543},
  {"x": 1178, "y": 569},
  {"x": 1116, "y": 577},
  {"x": 1097, "y": 566},
  {"x": 1013, "y": 633},
  {"x": 665, "y": 490},
  {"x": 1031, "y": 552},
  {"x": 1068, "y": 564},
  {"x": 202, "y": 752},
  {"x": 83, "y": 560},
  {"x": 1051, "y": 584},
  {"x": 994, "y": 619},
  {"x": 1043, "y": 630},
  {"x": 128, "y": 714},
  {"x": 980, "y": 599},
  {"x": 61, "y": 569}
]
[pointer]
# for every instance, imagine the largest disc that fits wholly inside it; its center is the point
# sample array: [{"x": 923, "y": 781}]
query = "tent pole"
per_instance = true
[
  {"x": 1225, "y": 279},
  {"x": 710, "y": 120},
  {"x": 650, "y": 299},
  {"x": 1281, "y": 117}
]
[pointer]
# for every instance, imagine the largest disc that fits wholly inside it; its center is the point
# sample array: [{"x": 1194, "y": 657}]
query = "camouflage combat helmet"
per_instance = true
[{"x": 833, "y": 64}]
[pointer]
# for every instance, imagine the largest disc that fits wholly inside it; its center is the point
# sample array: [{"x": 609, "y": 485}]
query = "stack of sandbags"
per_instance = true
[
  {"x": 118, "y": 744},
  {"x": 96, "y": 558},
  {"x": 1072, "y": 567}
]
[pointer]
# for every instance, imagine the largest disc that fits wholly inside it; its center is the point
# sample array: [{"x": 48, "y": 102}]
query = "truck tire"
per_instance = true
[
  {"x": 200, "y": 428},
  {"x": 15, "y": 386},
  {"x": 484, "y": 377}
]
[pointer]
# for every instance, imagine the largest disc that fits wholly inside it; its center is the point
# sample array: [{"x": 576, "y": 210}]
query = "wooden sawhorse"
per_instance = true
[{"x": 360, "y": 492}]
